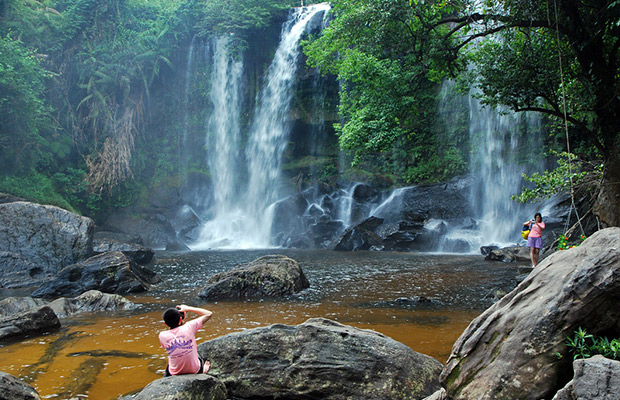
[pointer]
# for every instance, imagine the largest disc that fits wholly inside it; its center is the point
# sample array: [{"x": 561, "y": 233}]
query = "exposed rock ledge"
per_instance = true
[{"x": 511, "y": 347}]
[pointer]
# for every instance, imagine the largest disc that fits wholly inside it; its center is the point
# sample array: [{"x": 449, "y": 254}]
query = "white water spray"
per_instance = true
[{"x": 243, "y": 214}]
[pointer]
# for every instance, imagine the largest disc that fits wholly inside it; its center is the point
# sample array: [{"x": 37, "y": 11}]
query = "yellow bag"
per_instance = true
[{"x": 525, "y": 231}]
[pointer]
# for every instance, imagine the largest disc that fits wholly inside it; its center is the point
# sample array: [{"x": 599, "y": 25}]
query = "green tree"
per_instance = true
[
  {"x": 560, "y": 58},
  {"x": 388, "y": 96},
  {"x": 23, "y": 112}
]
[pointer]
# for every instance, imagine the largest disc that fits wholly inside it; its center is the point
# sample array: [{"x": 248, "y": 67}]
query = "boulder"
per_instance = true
[
  {"x": 111, "y": 272},
  {"x": 47, "y": 236},
  {"x": 18, "y": 272},
  {"x": 509, "y": 254},
  {"x": 445, "y": 201},
  {"x": 510, "y": 349},
  {"x": 177, "y": 245},
  {"x": 12, "y": 388},
  {"x": 267, "y": 277},
  {"x": 90, "y": 301},
  {"x": 359, "y": 237},
  {"x": 153, "y": 228},
  {"x": 39, "y": 320},
  {"x": 138, "y": 253},
  {"x": 186, "y": 387},
  {"x": 596, "y": 378},
  {"x": 12, "y": 306},
  {"x": 319, "y": 359}
]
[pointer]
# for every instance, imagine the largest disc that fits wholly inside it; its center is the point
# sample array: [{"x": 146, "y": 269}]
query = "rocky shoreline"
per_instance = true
[{"x": 509, "y": 352}]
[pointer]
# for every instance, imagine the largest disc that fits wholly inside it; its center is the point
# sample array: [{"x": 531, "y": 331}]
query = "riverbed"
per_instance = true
[{"x": 422, "y": 300}]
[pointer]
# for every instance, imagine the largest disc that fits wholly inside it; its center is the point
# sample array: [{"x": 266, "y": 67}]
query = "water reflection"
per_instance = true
[{"x": 424, "y": 301}]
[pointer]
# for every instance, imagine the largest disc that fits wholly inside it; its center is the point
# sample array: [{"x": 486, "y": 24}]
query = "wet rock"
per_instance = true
[
  {"x": 90, "y": 301},
  {"x": 360, "y": 237},
  {"x": 287, "y": 217},
  {"x": 177, "y": 245},
  {"x": 186, "y": 387},
  {"x": 486, "y": 250},
  {"x": 267, "y": 277},
  {"x": 438, "y": 395},
  {"x": 324, "y": 231},
  {"x": 39, "y": 320},
  {"x": 445, "y": 201},
  {"x": 511, "y": 347},
  {"x": 46, "y": 236},
  {"x": 12, "y": 388},
  {"x": 594, "y": 378},
  {"x": 153, "y": 228},
  {"x": 18, "y": 272},
  {"x": 319, "y": 359},
  {"x": 138, "y": 253},
  {"x": 509, "y": 254},
  {"x": 111, "y": 272}
]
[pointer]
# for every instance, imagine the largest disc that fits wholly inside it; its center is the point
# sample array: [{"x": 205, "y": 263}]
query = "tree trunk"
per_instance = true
[{"x": 607, "y": 206}]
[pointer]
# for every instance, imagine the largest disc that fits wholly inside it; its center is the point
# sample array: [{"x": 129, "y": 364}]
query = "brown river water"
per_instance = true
[{"x": 102, "y": 356}]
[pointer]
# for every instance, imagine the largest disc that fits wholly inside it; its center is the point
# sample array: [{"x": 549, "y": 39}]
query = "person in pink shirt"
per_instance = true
[
  {"x": 534, "y": 240},
  {"x": 180, "y": 341}
]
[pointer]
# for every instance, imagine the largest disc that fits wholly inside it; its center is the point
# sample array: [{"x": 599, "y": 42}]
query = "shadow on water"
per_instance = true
[{"x": 422, "y": 300}]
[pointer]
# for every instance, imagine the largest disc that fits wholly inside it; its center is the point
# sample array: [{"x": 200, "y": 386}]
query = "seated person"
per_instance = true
[{"x": 180, "y": 341}]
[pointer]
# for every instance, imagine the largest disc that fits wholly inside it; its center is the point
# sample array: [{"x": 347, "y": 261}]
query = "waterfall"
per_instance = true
[
  {"x": 242, "y": 213},
  {"x": 223, "y": 127}
]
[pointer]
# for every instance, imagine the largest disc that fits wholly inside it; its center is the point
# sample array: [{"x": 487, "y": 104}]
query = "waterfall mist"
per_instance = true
[{"x": 247, "y": 184}]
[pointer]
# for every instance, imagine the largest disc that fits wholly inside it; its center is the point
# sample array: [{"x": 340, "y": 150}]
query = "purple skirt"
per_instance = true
[{"x": 534, "y": 242}]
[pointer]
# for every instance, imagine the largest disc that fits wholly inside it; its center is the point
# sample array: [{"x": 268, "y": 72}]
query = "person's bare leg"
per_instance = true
[
  {"x": 206, "y": 367},
  {"x": 532, "y": 249},
  {"x": 535, "y": 256}
]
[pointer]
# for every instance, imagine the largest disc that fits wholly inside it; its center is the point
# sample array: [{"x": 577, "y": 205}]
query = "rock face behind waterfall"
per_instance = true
[
  {"x": 47, "y": 238},
  {"x": 111, "y": 272},
  {"x": 509, "y": 351},
  {"x": 319, "y": 359},
  {"x": 267, "y": 277}
]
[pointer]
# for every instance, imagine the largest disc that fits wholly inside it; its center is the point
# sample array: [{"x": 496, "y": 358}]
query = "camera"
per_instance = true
[{"x": 181, "y": 312}]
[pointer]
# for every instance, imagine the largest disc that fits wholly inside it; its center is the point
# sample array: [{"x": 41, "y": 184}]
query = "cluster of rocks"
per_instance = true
[
  {"x": 510, "y": 351},
  {"x": 54, "y": 252}
]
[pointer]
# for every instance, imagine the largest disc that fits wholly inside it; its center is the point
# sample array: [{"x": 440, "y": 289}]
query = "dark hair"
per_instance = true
[
  {"x": 536, "y": 215},
  {"x": 172, "y": 316}
]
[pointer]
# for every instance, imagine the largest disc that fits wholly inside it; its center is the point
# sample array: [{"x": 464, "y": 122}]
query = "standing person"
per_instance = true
[
  {"x": 534, "y": 240},
  {"x": 180, "y": 341}
]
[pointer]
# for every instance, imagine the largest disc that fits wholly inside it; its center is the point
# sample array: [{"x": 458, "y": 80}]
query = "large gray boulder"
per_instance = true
[
  {"x": 35, "y": 321},
  {"x": 12, "y": 388},
  {"x": 509, "y": 351},
  {"x": 266, "y": 277},
  {"x": 596, "y": 378},
  {"x": 319, "y": 359},
  {"x": 111, "y": 272},
  {"x": 18, "y": 272},
  {"x": 137, "y": 252},
  {"x": 184, "y": 387},
  {"x": 46, "y": 236}
]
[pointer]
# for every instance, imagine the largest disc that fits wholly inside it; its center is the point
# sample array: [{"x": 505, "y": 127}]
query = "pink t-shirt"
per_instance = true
[
  {"x": 180, "y": 343},
  {"x": 536, "y": 230}
]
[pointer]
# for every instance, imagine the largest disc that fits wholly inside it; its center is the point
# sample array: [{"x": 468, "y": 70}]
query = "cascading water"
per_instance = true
[
  {"x": 499, "y": 141},
  {"x": 243, "y": 214}
]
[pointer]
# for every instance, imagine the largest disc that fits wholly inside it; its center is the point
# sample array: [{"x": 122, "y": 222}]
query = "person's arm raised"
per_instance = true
[{"x": 204, "y": 313}]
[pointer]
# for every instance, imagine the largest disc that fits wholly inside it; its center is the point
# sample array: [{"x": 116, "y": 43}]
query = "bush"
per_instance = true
[{"x": 584, "y": 345}]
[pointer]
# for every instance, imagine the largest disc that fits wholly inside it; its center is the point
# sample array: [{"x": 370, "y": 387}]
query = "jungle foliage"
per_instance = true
[
  {"x": 76, "y": 85},
  {"x": 557, "y": 57},
  {"x": 87, "y": 87}
]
